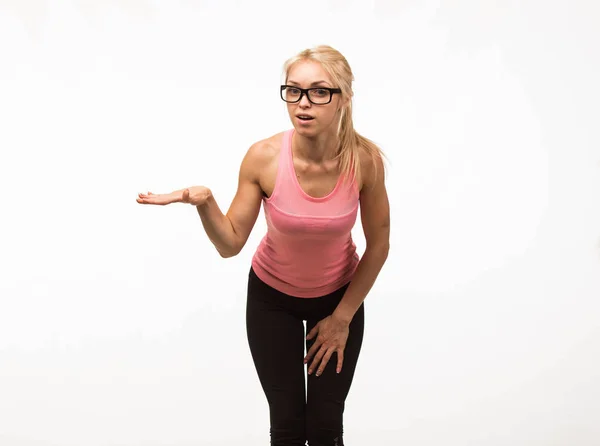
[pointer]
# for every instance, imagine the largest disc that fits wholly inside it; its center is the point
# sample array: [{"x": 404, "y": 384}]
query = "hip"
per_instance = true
[{"x": 262, "y": 293}]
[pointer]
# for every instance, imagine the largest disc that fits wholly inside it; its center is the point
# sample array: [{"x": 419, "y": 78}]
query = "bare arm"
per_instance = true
[
  {"x": 375, "y": 216},
  {"x": 331, "y": 333},
  {"x": 229, "y": 232}
]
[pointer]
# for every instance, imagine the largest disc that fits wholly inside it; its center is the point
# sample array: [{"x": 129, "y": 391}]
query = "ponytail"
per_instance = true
[{"x": 352, "y": 146}]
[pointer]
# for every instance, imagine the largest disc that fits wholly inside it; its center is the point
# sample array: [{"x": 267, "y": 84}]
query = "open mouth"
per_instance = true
[{"x": 305, "y": 117}]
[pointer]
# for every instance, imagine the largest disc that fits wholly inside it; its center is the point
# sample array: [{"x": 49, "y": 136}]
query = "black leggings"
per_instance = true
[{"x": 276, "y": 336}]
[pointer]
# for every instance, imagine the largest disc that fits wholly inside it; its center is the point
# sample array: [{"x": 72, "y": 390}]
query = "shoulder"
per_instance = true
[
  {"x": 266, "y": 149},
  {"x": 375, "y": 206},
  {"x": 372, "y": 167},
  {"x": 262, "y": 154}
]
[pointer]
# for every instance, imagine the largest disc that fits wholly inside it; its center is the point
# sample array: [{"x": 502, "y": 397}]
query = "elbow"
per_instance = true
[
  {"x": 381, "y": 249},
  {"x": 229, "y": 252},
  {"x": 385, "y": 250}
]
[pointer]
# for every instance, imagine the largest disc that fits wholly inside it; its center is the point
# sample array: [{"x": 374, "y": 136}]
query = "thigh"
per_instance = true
[
  {"x": 276, "y": 340},
  {"x": 327, "y": 393}
]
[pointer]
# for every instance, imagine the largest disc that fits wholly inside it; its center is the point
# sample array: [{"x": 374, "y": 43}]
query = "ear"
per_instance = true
[
  {"x": 345, "y": 102},
  {"x": 343, "y": 106}
]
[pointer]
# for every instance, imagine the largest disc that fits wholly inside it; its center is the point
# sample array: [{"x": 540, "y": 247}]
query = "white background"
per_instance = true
[{"x": 121, "y": 326}]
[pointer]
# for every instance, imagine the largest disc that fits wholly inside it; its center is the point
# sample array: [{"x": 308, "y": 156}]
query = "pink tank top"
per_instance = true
[{"x": 308, "y": 250}]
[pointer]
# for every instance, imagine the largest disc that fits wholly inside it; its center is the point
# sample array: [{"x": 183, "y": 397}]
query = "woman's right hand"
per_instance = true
[{"x": 195, "y": 195}]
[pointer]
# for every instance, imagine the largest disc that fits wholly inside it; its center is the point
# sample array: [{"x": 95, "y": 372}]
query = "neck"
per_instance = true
[{"x": 318, "y": 149}]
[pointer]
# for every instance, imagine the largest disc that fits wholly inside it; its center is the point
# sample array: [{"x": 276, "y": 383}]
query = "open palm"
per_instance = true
[
  {"x": 194, "y": 195},
  {"x": 159, "y": 199}
]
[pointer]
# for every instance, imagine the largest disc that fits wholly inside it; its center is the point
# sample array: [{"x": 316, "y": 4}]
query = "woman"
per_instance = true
[{"x": 311, "y": 180}]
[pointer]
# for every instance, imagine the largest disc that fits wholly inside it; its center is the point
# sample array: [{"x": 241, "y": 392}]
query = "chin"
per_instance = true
[{"x": 307, "y": 132}]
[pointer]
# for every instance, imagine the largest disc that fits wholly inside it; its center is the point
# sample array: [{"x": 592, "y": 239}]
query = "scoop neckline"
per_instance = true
[{"x": 295, "y": 177}]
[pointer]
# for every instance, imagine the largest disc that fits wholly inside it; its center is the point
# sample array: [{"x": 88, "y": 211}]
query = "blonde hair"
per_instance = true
[{"x": 352, "y": 144}]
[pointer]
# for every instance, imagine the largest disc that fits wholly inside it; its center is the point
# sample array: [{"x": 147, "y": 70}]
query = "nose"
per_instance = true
[{"x": 304, "y": 102}]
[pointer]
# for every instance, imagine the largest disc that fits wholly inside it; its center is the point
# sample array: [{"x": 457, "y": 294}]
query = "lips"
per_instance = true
[{"x": 305, "y": 117}]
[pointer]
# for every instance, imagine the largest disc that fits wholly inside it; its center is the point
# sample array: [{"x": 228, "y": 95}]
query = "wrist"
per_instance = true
[
  {"x": 343, "y": 314},
  {"x": 205, "y": 200},
  {"x": 177, "y": 196}
]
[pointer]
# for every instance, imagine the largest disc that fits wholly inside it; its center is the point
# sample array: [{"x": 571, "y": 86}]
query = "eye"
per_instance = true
[
  {"x": 292, "y": 90},
  {"x": 321, "y": 92}
]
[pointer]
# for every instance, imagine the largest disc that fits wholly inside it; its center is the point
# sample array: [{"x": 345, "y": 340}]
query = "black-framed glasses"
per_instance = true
[{"x": 316, "y": 95}]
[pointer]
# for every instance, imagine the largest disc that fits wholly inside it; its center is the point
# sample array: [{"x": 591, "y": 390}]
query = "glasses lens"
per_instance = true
[
  {"x": 290, "y": 94},
  {"x": 319, "y": 96},
  {"x": 315, "y": 95}
]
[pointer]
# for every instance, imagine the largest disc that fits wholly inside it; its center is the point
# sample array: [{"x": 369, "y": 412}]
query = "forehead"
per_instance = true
[{"x": 308, "y": 73}]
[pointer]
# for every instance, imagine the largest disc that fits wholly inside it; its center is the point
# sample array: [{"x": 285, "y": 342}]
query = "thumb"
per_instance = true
[
  {"x": 313, "y": 332},
  {"x": 186, "y": 196}
]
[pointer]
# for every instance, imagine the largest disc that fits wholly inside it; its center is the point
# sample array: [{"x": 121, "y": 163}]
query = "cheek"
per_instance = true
[{"x": 330, "y": 115}]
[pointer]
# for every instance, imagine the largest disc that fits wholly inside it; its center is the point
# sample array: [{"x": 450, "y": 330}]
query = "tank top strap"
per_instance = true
[
  {"x": 287, "y": 159},
  {"x": 284, "y": 185}
]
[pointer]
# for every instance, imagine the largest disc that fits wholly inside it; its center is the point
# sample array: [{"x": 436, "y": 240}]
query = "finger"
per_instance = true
[
  {"x": 340, "y": 359},
  {"x": 315, "y": 362},
  {"x": 313, "y": 332},
  {"x": 315, "y": 344},
  {"x": 149, "y": 200},
  {"x": 311, "y": 351},
  {"x": 325, "y": 360}
]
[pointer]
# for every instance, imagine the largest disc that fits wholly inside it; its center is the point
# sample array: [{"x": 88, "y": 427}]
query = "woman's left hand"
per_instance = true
[{"x": 331, "y": 335}]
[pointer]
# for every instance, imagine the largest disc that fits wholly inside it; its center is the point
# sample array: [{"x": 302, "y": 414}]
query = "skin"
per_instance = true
[{"x": 313, "y": 148}]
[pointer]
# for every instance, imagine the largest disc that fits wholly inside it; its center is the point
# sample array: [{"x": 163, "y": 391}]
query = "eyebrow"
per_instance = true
[{"x": 312, "y": 85}]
